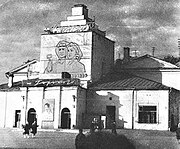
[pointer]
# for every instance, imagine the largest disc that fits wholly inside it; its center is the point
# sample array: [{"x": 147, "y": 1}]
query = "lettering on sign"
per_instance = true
[
  {"x": 70, "y": 29},
  {"x": 67, "y": 29},
  {"x": 46, "y": 83}
]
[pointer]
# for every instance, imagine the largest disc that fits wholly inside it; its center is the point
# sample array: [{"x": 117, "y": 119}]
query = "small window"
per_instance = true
[{"x": 147, "y": 114}]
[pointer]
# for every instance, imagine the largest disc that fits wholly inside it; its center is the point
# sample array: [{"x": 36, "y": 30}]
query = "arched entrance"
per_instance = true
[
  {"x": 65, "y": 118},
  {"x": 31, "y": 115}
]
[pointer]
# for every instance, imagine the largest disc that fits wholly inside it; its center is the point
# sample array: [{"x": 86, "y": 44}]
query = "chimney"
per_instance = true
[
  {"x": 80, "y": 9},
  {"x": 126, "y": 54},
  {"x": 10, "y": 81}
]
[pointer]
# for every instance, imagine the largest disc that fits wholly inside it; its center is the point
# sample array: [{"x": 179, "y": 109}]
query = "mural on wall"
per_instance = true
[
  {"x": 48, "y": 110},
  {"x": 68, "y": 55}
]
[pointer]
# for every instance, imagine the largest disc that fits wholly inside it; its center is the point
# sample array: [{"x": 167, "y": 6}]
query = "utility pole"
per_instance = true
[
  {"x": 179, "y": 46},
  {"x": 153, "y": 50}
]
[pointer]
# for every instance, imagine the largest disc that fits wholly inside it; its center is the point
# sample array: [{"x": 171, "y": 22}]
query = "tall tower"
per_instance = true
[{"x": 76, "y": 46}]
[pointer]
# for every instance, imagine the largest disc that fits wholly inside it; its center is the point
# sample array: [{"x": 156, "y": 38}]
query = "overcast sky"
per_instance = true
[{"x": 140, "y": 24}]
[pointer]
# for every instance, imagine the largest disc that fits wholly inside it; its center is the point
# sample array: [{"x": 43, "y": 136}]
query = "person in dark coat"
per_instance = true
[
  {"x": 80, "y": 140},
  {"x": 178, "y": 133},
  {"x": 26, "y": 130},
  {"x": 114, "y": 128},
  {"x": 34, "y": 127}
]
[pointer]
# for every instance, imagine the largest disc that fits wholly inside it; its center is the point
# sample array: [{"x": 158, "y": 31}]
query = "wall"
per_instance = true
[
  {"x": 123, "y": 100},
  {"x": 171, "y": 78},
  {"x": 102, "y": 56},
  {"x": 157, "y": 98},
  {"x": 35, "y": 96},
  {"x": 174, "y": 112},
  {"x": 97, "y": 102},
  {"x": 168, "y": 77},
  {"x": 3, "y": 107},
  {"x": 75, "y": 58},
  {"x": 80, "y": 107},
  {"x": 10, "y": 101},
  {"x": 52, "y": 96},
  {"x": 67, "y": 101}
]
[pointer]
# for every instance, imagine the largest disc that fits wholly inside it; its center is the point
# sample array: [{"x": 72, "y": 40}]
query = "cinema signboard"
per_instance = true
[{"x": 50, "y": 82}]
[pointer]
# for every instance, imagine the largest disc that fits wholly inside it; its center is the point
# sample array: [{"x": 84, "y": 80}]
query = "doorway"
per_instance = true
[
  {"x": 17, "y": 118},
  {"x": 110, "y": 115},
  {"x": 31, "y": 115},
  {"x": 65, "y": 118}
]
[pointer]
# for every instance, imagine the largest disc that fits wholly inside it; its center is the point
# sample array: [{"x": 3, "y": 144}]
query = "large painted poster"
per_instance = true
[
  {"x": 48, "y": 110},
  {"x": 69, "y": 52}
]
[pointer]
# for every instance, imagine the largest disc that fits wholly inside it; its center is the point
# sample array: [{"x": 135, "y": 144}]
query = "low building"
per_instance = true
[{"x": 132, "y": 102}]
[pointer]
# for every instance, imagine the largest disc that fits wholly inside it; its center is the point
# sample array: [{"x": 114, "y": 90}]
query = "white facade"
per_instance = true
[
  {"x": 23, "y": 100},
  {"x": 127, "y": 102}
]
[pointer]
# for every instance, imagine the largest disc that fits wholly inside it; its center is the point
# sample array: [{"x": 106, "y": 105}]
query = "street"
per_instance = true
[
  {"x": 13, "y": 138},
  {"x": 64, "y": 139}
]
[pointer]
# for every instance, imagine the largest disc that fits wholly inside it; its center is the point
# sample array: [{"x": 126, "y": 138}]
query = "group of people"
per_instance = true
[
  {"x": 30, "y": 128},
  {"x": 95, "y": 126}
]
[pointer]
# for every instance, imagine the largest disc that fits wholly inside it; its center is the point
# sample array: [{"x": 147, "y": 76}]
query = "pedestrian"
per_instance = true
[
  {"x": 92, "y": 129},
  {"x": 178, "y": 133},
  {"x": 95, "y": 124},
  {"x": 80, "y": 140},
  {"x": 114, "y": 128},
  {"x": 26, "y": 130},
  {"x": 34, "y": 127}
]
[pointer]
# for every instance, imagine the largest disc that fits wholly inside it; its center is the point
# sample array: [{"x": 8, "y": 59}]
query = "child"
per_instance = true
[
  {"x": 26, "y": 130},
  {"x": 178, "y": 133}
]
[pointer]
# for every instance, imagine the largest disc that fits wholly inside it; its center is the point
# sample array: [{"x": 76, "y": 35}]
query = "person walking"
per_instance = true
[{"x": 80, "y": 140}]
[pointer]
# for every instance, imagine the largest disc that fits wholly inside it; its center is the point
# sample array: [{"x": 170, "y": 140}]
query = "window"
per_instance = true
[{"x": 147, "y": 114}]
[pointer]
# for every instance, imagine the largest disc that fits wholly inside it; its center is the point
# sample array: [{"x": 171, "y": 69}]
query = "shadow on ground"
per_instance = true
[{"x": 107, "y": 140}]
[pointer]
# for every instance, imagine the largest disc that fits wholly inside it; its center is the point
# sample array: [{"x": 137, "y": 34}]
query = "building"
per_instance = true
[
  {"x": 152, "y": 68},
  {"x": 133, "y": 101},
  {"x": 73, "y": 54},
  {"x": 76, "y": 80}
]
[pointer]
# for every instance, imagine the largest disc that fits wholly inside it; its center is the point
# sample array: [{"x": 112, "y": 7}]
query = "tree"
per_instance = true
[{"x": 171, "y": 59}]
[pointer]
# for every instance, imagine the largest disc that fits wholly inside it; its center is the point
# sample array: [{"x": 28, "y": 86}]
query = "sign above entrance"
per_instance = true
[
  {"x": 50, "y": 82},
  {"x": 71, "y": 29}
]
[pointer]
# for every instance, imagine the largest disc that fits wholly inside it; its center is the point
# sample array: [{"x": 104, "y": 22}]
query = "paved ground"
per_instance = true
[
  {"x": 64, "y": 139},
  {"x": 145, "y": 139},
  {"x": 13, "y": 138}
]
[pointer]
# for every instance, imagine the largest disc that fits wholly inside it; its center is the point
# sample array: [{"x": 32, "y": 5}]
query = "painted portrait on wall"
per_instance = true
[
  {"x": 48, "y": 110},
  {"x": 68, "y": 55}
]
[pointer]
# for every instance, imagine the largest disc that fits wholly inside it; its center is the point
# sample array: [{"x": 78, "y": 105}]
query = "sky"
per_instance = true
[{"x": 138, "y": 24}]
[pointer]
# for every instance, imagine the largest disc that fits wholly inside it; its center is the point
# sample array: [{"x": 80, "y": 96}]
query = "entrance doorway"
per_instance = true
[
  {"x": 110, "y": 115},
  {"x": 17, "y": 118},
  {"x": 65, "y": 118},
  {"x": 31, "y": 115}
]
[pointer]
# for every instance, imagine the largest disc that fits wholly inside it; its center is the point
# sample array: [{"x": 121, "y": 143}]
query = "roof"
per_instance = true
[
  {"x": 125, "y": 81},
  {"x": 29, "y": 62},
  {"x": 148, "y": 61}
]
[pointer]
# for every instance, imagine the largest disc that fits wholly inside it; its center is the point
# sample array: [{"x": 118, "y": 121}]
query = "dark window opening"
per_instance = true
[{"x": 147, "y": 114}]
